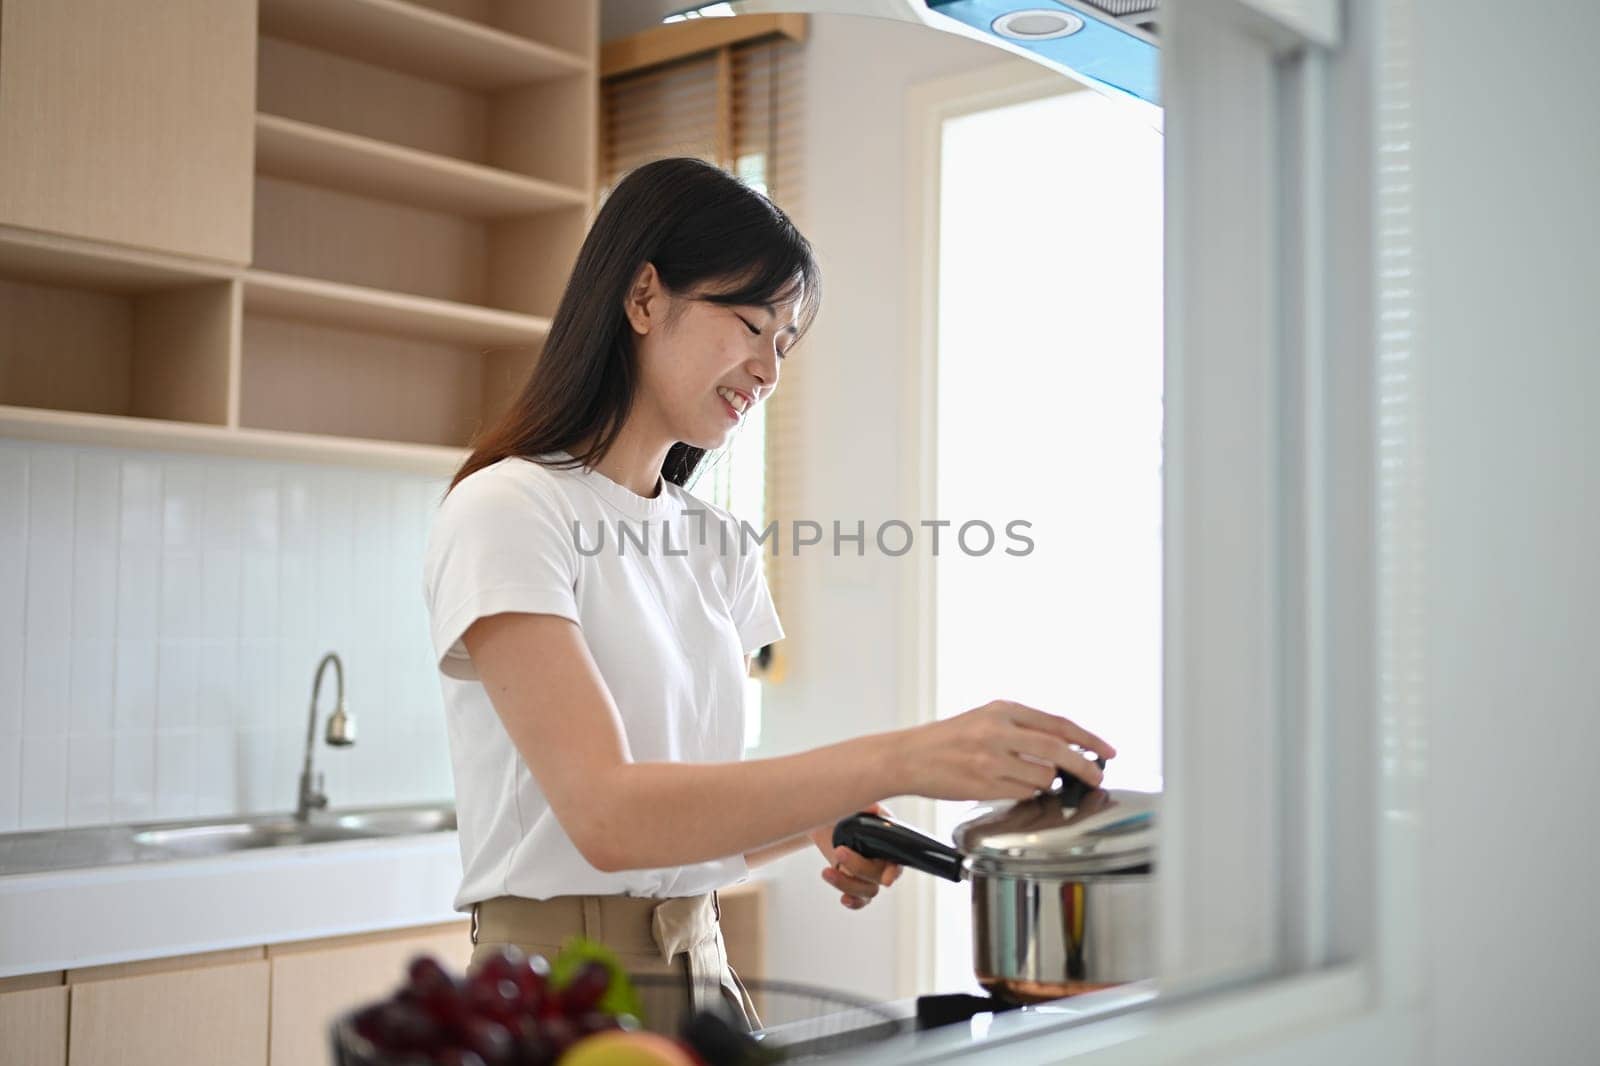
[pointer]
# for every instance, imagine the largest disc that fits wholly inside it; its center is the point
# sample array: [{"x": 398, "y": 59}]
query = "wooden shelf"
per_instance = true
[
  {"x": 70, "y": 427},
  {"x": 395, "y": 150},
  {"x": 395, "y": 314},
  {"x": 417, "y": 40},
  {"x": 316, "y": 155},
  {"x": 46, "y": 259}
]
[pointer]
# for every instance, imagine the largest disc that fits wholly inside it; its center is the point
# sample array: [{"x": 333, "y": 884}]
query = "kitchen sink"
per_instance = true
[
  {"x": 218, "y": 837},
  {"x": 242, "y": 836},
  {"x": 68, "y": 849}
]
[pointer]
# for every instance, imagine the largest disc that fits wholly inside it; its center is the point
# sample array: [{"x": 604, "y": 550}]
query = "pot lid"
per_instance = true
[{"x": 1069, "y": 830}]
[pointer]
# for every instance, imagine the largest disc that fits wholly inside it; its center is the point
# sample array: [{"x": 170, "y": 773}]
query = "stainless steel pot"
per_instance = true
[{"x": 1062, "y": 885}]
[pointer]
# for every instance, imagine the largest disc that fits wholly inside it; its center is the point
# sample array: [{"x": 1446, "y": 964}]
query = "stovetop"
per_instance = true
[
  {"x": 952, "y": 1008},
  {"x": 857, "y": 1028},
  {"x": 911, "y": 1030}
]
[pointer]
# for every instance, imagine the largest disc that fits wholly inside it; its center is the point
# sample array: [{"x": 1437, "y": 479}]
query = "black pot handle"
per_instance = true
[
  {"x": 874, "y": 837},
  {"x": 1072, "y": 789}
]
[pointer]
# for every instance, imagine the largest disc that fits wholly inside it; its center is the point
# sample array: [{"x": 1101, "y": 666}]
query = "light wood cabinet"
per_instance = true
[
  {"x": 145, "y": 348},
  {"x": 408, "y": 184},
  {"x": 316, "y": 981},
  {"x": 33, "y": 1021},
  {"x": 208, "y": 1014},
  {"x": 268, "y": 1006},
  {"x": 130, "y": 123},
  {"x": 411, "y": 159}
]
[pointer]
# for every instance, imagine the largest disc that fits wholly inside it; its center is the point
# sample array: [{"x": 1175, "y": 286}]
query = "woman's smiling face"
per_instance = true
[{"x": 704, "y": 365}]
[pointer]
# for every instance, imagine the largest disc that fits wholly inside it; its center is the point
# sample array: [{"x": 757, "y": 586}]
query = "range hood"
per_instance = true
[{"x": 1108, "y": 45}]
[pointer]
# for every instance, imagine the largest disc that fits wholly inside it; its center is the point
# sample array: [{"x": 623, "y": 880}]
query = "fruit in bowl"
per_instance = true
[
  {"x": 628, "y": 1049},
  {"x": 510, "y": 1010}
]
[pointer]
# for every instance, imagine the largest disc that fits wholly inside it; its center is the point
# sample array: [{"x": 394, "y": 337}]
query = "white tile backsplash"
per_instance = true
[
  {"x": 218, "y": 698},
  {"x": 134, "y": 685},
  {"x": 139, "y": 552},
  {"x": 92, "y": 686},
  {"x": 13, "y": 614},
  {"x": 182, "y": 593},
  {"x": 10, "y": 781},
  {"x": 258, "y": 689},
  {"x": 216, "y": 771},
  {"x": 44, "y": 782},
  {"x": 133, "y": 775},
  {"x": 177, "y": 685},
  {"x": 221, "y": 579},
  {"x": 89, "y": 779},
  {"x": 258, "y": 594},
  {"x": 161, "y": 617},
  {"x": 253, "y": 769},
  {"x": 176, "y": 773},
  {"x": 183, "y": 500},
  {"x": 97, "y": 524},
  {"x": 259, "y": 494},
  {"x": 47, "y": 617}
]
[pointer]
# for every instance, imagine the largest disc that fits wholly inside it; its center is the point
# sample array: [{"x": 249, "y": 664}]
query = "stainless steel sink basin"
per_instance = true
[
  {"x": 218, "y": 837},
  {"x": 110, "y": 845},
  {"x": 240, "y": 836}
]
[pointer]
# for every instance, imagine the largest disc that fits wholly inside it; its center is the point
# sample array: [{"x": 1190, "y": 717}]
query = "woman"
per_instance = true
[{"x": 589, "y": 614}]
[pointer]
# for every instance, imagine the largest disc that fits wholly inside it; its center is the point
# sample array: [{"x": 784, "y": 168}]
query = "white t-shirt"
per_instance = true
[{"x": 668, "y": 625}]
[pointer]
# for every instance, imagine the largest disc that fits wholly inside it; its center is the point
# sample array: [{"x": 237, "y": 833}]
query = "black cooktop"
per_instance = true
[{"x": 953, "y": 1008}]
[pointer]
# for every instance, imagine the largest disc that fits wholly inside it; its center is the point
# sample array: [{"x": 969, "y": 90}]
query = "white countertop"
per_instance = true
[
  {"x": 1002, "y": 1038},
  {"x": 61, "y": 919}
]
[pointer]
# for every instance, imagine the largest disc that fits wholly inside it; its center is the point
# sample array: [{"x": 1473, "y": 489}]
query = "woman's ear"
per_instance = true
[{"x": 646, "y": 300}]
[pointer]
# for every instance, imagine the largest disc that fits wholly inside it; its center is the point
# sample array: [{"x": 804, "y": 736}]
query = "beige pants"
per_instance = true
[{"x": 678, "y": 938}]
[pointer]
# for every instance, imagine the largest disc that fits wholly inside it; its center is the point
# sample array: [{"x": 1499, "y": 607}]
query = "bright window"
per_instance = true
[{"x": 1049, "y": 412}]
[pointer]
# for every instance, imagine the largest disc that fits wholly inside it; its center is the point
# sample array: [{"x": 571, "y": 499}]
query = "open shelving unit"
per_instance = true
[
  {"x": 437, "y": 45},
  {"x": 299, "y": 151},
  {"x": 332, "y": 303},
  {"x": 424, "y": 176}
]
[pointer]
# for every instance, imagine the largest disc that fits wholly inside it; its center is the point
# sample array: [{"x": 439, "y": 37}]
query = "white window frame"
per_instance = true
[{"x": 1289, "y": 873}]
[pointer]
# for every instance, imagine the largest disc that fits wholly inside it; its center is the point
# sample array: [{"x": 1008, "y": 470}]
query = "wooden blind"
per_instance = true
[{"x": 738, "y": 106}]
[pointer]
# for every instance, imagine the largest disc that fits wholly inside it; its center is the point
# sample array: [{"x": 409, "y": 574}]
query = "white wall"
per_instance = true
[
  {"x": 842, "y": 624},
  {"x": 161, "y": 617},
  {"x": 1508, "y": 156}
]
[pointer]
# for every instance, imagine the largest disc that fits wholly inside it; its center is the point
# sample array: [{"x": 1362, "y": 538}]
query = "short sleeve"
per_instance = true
[
  {"x": 754, "y": 615},
  {"x": 498, "y": 544}
]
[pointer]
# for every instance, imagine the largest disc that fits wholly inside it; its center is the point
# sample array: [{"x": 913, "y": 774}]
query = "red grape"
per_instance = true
[
  {"x": 426, "y": 974},
  {"x": 504, "y": 1013},
  {"x": 457, "y": 1057},
  {"x": 586, "y": 988},
  {"x": 561, "y": 1033},
  {"x": 533, "y": 981},
  {"x": 445, "y": 1003},
  {"x": 491, "y": 1040},
  {"x": 368, "y": 1021},
  {"x": 402, "y": 1027},
  {"x": 500, "y": 1001},
  {"x": 535, "y": 1049},
  {"x": 503, "y": 965}
]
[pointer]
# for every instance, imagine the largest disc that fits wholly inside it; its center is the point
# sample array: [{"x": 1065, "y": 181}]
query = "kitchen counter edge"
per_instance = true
[{"x": 67, "y": 919}]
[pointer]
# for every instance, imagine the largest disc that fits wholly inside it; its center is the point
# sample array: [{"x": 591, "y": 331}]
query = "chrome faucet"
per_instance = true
[{"x": 341, "y": 734}]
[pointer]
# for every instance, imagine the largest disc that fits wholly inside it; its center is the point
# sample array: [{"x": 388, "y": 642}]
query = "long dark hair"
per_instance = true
[{"x": 700, "y": 226}]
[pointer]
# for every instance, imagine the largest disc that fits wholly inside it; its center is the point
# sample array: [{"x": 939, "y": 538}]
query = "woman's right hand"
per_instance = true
[{"x": 1002, "y": 750}]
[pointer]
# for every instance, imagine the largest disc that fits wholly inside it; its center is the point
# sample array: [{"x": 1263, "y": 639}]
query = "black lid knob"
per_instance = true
[{"x": 1071, "y": 789}]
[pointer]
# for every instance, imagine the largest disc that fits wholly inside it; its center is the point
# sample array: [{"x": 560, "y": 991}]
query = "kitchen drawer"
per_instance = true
[{"x": 215, "y": 1013}]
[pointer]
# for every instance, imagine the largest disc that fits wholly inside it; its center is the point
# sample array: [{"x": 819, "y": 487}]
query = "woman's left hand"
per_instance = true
[{"x": 858, "y": 880}]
